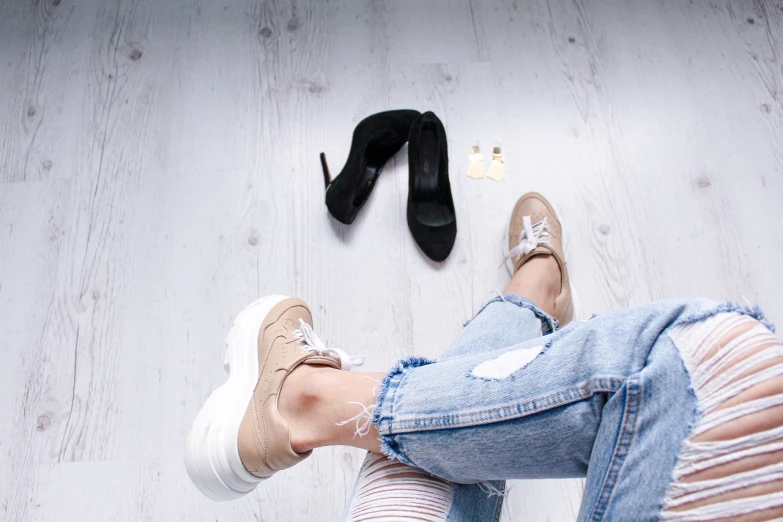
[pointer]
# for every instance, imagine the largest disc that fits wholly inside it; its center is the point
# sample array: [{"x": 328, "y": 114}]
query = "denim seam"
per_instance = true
[
  {"x": 389, "y": 446},
  {"x": 386, "y": 393},
  {"x": 507, "y": 412},
  {"x": 696, "y": 414},
  {"x": 386, "y": 399},
  {"x": 499, "y": 507},
  {"x": 622, "y": 447},
  {"x": 400, "y": 451},
  {"x": 390, "y": 384}
]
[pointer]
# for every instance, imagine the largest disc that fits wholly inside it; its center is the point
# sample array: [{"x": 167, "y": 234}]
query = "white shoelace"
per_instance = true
[
  {"x": 530, "y": 237},
  {"x": 312, "y": 343},
  {"x": 363, "y": 419}
]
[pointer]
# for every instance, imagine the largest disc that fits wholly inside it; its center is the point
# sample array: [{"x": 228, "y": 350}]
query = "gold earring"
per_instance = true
[
  {"x": 496, "y": 166},
  {"x": 476, "y": 165}
]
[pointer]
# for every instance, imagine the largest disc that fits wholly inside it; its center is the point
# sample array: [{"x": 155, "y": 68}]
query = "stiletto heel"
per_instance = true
[
  {"x": 375, "y": 140},
  {"x": 431, "y": 217},
  {"x": 327, "y": 174}
]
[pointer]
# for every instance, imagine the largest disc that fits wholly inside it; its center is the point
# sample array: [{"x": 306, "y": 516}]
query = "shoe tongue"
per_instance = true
[
  {"x": 323, "y": 360},
  {"x": 319, "y": 353},
  {"x": 335, "y": 358}
]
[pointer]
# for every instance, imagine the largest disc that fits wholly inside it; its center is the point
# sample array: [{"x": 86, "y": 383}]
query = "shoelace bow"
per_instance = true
[
  {"x": 530, "y": 237},
  {"x": 312, "y": 343}
]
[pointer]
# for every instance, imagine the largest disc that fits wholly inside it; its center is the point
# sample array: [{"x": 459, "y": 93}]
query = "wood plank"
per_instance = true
[
  {"x": 43, "y": 72},
  {"x": 36, "y": 345},
  {"x": 167, "y": 175},
  {"x": 620, "y": 123}
]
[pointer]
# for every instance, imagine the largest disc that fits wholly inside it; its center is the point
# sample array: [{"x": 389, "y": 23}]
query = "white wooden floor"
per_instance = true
[{"x": 159, "y": 170}]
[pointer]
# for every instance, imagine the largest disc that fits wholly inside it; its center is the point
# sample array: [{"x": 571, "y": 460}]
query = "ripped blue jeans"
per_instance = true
[{"x": 613, "y": 399}]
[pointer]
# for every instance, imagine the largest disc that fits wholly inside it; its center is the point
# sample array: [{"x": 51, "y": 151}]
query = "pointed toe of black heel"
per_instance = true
[
  {"x": 375, "y": 140},
  {"x": 431, "y": 216}
]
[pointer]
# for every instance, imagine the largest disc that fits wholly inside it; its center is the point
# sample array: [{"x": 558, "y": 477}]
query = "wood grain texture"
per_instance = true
[{"x": 159, "y": 169}]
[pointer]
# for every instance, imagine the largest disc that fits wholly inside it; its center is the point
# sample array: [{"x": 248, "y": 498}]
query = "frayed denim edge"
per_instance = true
[
  {"x": 754, "y": 312},
  {"x": 388, "y": 446},
  {"x": 522, "y": 302}
]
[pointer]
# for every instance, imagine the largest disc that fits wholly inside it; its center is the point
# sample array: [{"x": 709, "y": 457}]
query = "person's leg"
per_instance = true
[
  {"x": 235, "y": 443},
  {"x": 505, "y": 321},
  {"x": 684, "y": 398},
  {"x": 523, "y": 313}
]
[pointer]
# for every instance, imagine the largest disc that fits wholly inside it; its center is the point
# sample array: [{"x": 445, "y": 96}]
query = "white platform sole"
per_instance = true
[
  {"x": 566, "y": 247},
  {"x": 211, "y": 453}
]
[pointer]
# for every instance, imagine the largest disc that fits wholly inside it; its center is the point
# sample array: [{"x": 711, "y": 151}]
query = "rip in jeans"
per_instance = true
[
  {"x": 506, "y": 364},
  {"x": 732, "y": 463},
  {"x": 390, "y": 490}
]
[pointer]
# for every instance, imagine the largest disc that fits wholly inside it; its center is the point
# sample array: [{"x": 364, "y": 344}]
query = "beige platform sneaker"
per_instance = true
[
  {"x": 238, "y": 437},
  {"x": 535, "y": 230}
]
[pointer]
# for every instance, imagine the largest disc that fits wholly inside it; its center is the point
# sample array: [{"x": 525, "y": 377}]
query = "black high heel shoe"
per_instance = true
[
  {"x": 375, "y": 140},
  {"x": 431, "y": 216}
]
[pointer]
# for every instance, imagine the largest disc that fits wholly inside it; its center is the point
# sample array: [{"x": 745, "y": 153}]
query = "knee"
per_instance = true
[{"x": 745, "y": 367}]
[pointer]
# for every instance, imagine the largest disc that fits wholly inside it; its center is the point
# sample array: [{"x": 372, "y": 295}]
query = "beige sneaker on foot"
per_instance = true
[
  {"x": 534, "y": 231},
  {"x": 239, "y": 437}
]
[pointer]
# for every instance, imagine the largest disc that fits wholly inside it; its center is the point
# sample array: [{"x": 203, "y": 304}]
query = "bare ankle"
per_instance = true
[
  {"x": 326, "y": 407},
  {"x": 300, "y": 398},
  {"x": 538, "y": 280}
]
